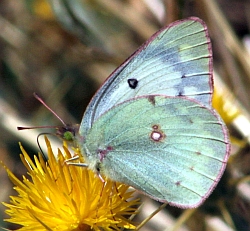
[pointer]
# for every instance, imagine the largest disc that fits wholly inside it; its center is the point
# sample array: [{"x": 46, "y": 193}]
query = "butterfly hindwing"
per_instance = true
[{"x": 170, "y": 148}]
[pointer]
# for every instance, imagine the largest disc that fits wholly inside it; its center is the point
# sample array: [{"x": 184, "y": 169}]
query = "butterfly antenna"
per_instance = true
[
  {"x": 66, "y": 132},
  {"x": 45, "y": 105},
  {"x": 35, "y": 127}
]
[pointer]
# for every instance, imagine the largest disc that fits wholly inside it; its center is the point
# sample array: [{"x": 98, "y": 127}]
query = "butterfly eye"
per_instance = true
[{"x": 68, "y": 136}]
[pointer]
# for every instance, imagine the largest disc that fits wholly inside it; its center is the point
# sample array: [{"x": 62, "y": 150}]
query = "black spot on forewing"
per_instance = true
[{"x": 133, "y": 83}]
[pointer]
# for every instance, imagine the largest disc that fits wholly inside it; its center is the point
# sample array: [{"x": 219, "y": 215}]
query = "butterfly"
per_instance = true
[{"x": 151, "y": 124}]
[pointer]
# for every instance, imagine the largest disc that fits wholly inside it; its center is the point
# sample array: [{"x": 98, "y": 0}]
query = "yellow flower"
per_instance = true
[
  {"x": 64, "y": 197},
  {"x": 42, "y": 8},
  {"x": 223, "y": 102}
]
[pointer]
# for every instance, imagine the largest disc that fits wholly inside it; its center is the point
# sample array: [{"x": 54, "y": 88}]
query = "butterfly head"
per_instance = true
[{"x": 68, "y": 132}]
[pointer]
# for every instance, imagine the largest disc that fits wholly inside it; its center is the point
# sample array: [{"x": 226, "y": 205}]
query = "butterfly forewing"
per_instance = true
[
  {"x": 170, "y": 148},
  {"x": 176, "y": 61}
]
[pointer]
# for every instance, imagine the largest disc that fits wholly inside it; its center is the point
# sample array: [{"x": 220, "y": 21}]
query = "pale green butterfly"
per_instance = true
[{"x": 151, "y": 125}]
